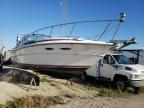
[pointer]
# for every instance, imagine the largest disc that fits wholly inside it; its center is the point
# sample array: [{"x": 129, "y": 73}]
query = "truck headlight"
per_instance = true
[{"x": 132, "y": 76}]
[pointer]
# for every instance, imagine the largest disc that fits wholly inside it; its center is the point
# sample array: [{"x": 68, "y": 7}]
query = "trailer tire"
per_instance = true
[{"x": 84, "y": 76}]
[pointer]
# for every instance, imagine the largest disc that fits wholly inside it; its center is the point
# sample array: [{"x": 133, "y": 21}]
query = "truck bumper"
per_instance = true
[{"x": 137, "y": 83}]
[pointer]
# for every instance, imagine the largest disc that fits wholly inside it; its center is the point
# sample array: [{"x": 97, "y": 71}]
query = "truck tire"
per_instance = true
[
  {"x": 121, "y": 84},
  {"x": 84, "y": 76}
]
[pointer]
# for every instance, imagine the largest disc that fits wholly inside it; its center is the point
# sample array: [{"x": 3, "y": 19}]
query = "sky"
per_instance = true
[{"x": 25, "y": 16}]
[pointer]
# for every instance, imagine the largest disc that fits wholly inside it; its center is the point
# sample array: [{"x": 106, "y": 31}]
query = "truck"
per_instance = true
[{"x": 119, "y": 69}]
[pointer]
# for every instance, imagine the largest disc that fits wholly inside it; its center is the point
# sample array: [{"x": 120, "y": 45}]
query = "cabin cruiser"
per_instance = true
[
  {"x": 59, "y": 53},
  {"x": 64, "y": 53}
]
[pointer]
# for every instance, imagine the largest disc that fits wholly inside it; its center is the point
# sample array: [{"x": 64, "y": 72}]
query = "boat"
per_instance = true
[{"x": 64, "y": 53}]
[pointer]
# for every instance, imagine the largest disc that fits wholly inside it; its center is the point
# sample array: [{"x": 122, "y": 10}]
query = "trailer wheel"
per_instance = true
[
  {"x": 84, "y": 76},
  {"x": 121, "y": 84}
]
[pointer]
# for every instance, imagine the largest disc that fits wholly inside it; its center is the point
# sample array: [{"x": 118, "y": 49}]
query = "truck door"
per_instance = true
[{"x": 108, "y": 68}]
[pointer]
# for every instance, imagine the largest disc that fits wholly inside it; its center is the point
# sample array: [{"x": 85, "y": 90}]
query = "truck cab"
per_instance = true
[{"x": 119, "y": 69}]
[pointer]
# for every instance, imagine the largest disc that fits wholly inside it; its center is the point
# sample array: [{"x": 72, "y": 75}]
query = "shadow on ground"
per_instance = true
[{"x": 76, "y": 78}]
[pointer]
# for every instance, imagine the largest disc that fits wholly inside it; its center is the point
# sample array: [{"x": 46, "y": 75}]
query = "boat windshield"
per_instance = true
[
  {"x": 35, "y": 37},
  {"x": 121, "y": 59}
]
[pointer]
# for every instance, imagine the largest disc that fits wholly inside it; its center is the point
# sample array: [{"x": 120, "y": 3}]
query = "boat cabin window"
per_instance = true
[
  {"x": 108, "y": 60},
  {"x": 49, "y": 48},
  {"x": 29, "y": 39},
  {"x": 65, "y": 48}
]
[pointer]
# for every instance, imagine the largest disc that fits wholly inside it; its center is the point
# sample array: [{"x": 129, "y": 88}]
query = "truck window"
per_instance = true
[
  {"x": 121, "y": 59},
  {"x": 108, "y": 60},
  {"x": 105, "y": 60}
]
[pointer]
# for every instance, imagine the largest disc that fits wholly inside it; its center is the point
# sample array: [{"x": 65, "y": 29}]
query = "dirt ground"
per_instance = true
[
  {"x": 105, "y": 102},
  {"x": 79, "y": 95}
]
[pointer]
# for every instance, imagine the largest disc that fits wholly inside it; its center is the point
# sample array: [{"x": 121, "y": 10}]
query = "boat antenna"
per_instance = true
[
  {"x": 64, "y": 3},
  {"x": 65, "y": 12},
  {"x": 122, "y": 19}
]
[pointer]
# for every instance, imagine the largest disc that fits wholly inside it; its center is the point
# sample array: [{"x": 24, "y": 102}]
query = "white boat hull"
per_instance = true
[{"x": 59, "y": 55}]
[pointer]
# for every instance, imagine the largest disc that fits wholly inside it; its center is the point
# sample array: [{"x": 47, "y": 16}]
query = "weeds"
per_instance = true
[
  {"x": 112, "y": 93},
  {"x": 52, "y": 83},
  {"x": 45, "y": 80},
  {"x": 34, "y": 102},
  {"x": 142, "y": 90},
  {"x": 1, "y": 106},
  {"x": 18, "y": 103},
  {"x": 72, "y": 96}
]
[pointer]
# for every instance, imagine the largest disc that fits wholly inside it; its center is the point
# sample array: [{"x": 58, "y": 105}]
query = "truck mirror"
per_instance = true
[
  {"x": 102, "y": 65},
  {"x": 100, "y": 62}
]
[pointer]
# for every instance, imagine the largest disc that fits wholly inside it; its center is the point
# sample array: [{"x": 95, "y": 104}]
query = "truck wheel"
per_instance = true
[
  {"x": 121, "y": 84},
  {"x": 136, "y": 90},
  {"x": 83, "y": 76}
]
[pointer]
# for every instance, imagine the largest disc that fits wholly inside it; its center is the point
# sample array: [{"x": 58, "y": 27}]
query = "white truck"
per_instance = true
[{"x": 120, "y": 70}]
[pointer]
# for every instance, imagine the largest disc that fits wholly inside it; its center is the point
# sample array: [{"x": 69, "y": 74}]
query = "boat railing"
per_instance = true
[
  {"x": 36, "y": 36},
  {"x": 74, "y": 24}
]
